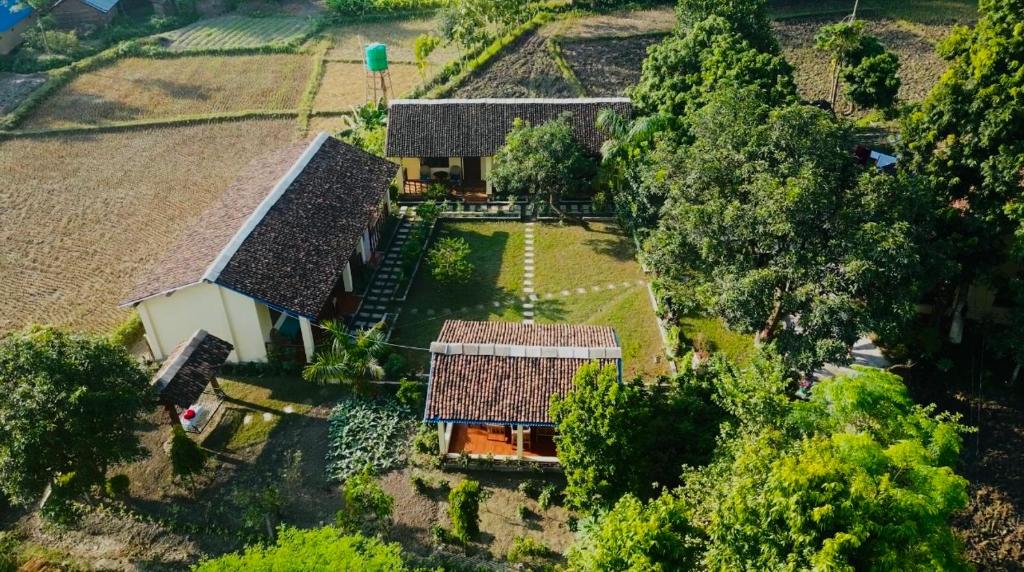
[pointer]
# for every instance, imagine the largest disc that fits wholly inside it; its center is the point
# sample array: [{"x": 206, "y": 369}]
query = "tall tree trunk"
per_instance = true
[
  {"x": 773, "y": 320},
  {"x": 956, "y": 326}
]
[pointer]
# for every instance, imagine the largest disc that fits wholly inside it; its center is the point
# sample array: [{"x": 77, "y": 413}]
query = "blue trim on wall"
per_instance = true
[
  {"x": 281, "y": 309},
  {"x": 485, "y": 422}
]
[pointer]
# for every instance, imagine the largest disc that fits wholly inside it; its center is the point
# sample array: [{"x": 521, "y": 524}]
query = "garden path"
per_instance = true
[{"x": 379, "y": 297}]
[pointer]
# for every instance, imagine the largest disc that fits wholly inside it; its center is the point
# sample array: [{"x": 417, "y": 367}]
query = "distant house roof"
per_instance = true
[
  {"x": 506, "y": 373},
  {"x": 101, "y": 5},
  {"x": 11, "y": 13},
  {"x": 478, "y": 127},
  {"x": 283, "y": 231},
  {"x": 189, "y": 368}
]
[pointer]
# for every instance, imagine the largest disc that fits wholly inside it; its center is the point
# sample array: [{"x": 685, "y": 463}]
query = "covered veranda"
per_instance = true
[{"x": 502, "y": 442}]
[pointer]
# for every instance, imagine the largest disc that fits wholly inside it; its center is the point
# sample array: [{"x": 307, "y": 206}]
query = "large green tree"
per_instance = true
[
  {"x": 772, "y": 227},
  {"x": 967, "y": 140},
  {"x": 639, "y": 537},
  {"x": 624, "y": 437},
  {"x": 318, "y": 550},
  {"x": 861, "y": 479},
  {"x": 682, "y": 71},
  {"x": 68, "y": 404},
  {"x": 868, "y": 69},
  {"x": 543, "y": 162},
  {"x": 748, "y": 18}
]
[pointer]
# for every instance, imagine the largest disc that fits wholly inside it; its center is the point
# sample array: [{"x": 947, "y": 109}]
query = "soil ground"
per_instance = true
[
  {"x": 15, "y": 87},
  {"x": 524, "y": 69},
  {"x": 607, "y": 66}
]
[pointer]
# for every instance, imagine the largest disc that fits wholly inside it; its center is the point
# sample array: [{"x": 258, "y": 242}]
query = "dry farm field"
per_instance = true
[
  {"x": 523, "y": 69},
  {"x": 344, "y": 85},
  {"x": 83, "y": 215},
  {"x": 234, "y": 32},
  {"x": 143, "y": 88},
  {"x": 399, "y": 35}
]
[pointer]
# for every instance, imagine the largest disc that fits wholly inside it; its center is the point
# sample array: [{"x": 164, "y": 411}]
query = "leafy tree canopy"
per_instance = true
[
  {"x": 543, "y": 161},
  {"x": 869, "y": 70},
  {"x": 68, "y": 404},
  {"x": 773, "y": 227},
  {"x": 965, "y": 139},
  {"x": 682, "y": 71},
  {"x": 857, "y": 478},
  {"x": 622, "y": 437},
  {"x": 317, "y": 550},
  {"x": 748, "y": 18},
  {"x": 637, "y": 537}
]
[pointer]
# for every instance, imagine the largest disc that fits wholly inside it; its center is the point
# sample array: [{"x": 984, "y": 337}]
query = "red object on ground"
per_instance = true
[{"x": 189, "y": 414}]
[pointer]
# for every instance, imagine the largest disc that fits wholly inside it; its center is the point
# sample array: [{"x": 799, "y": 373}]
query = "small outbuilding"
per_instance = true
[
  {"x": 454, "y": 140},
  {"x": 84, "y": 14},
  {"x": 188, "y": 375},
  {"x": 279, "y": 252},
  {"x": 491, "y": 384}
]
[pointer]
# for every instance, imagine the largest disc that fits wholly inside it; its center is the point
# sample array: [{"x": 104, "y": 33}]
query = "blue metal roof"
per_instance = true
[
  {"x": 102, "y": 5},
  {"x": 10, "y": 16}
]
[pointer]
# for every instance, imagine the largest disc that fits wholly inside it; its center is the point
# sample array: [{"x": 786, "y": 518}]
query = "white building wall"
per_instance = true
[{"x": 169, "y": 320}]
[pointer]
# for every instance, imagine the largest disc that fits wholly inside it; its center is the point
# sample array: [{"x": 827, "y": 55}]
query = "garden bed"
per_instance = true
[{"x": 234, "y": 32}]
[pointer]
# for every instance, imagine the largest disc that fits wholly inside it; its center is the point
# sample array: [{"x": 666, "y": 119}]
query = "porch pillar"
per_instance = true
[
  {"x": 307, "y": 338},
  {"x": 346, "y": 277},
  {"x": 150, "y": 332},
  {"x": 365, "y": 241},
  {"x": 519, "y": 441},
  {"x": 442, "y": 443}
]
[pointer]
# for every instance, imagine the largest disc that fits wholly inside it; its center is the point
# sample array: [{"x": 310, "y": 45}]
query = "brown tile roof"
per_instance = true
[
  {"x": 478, "y": 127},
  {"x": 189, "y": 368},
  {"x": 502, "y": 388},
  {"x": 293, "y": 255}
]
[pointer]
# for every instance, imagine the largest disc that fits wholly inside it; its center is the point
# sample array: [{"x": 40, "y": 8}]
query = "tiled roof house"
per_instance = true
[
  {"x": 459, "y": 137},
  {"x": 491, "y": 382},
  {"x": 277, "y": 251}
]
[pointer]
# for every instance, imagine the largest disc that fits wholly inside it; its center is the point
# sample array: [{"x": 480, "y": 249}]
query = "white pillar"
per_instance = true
[
  {"x": 346, "y": 277},
  {"x": 307, "y": 338},
  {"x": 151, "y": 336},
  {"x": 442, "y": 443},
  {"x": 365, "y": 241},
  {"x": 519, "y": 441}
]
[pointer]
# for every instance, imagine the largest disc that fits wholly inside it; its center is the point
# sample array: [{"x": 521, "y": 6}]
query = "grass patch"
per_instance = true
[
  {"x": 72, "y": 251},
  {"x": 145, "y": 88},
  {"x": 592, "y": 258},
  {"x": 738, "y": 347},
  {"x": 344, "y": 85},
  {"x": 237, "y": 32},
  {"x": 497, "y": 258}
]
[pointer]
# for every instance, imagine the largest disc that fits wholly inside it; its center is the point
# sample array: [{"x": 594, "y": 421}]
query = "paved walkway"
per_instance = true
[
  {"x": 384, "y": 285},
  {"x": 865, "y": 353}
]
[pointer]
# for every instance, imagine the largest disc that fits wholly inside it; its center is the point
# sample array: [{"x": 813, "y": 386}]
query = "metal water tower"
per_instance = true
[{"x": 378, "y": 76}]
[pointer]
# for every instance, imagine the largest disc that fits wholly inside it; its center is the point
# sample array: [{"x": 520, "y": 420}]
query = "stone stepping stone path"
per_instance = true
[
  {"x": 384, "y": 286},
  {"x": 528, "y": 268}
]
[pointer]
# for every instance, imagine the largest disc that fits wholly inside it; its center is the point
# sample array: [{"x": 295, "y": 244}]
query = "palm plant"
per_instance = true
[
  {"x": 626, "y": 139},
  {"x": 352, "y": 358}
]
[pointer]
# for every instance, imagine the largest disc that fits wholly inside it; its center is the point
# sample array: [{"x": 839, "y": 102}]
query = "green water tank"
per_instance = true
[{"x": 376, "y": 57}]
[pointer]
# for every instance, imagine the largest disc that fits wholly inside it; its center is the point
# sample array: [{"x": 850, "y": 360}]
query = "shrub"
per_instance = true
[
  {"x": 394, "y": 366},
  {"x": 423, "y": 46},
  {"x": 61, "y": 507},
  {"x": 547, "y": 496},
  {"x": 525, "y": 548},
  {"x": 449, "y": 261},
  {"x": 436, "y": 192},
  {"x": 312, "y": 550},
  {"x": 531, "y": 487},
  {"x": 259, "y": 508},
  {"x": 118, "y": 485},
  {"x": 425, "y": 440},
  {"x": 128, "y": 332},
  {"x": 419, "y": 483},
  {"x": 523, "y": 512},
  {"x": 187, "y": 458},
  {"x": 412, "y": 394},
  {"x": 8, "y": 552},
  {"x": 464, "y": 510},
  {"x": 367, "y": 507},
  {"x": 428, "y": 212}
]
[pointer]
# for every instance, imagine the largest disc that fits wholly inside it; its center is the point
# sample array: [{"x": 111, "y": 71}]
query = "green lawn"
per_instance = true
[
  {"x": 497, "y": 258},
  {"x": 593, "y": 257}
]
